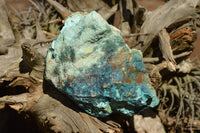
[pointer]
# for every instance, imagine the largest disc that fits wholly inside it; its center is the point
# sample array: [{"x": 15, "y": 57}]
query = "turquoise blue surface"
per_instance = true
[{"x": 90, "y": 63}]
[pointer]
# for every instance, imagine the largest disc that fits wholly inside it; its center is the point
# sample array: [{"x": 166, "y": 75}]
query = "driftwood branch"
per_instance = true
[
  {"x": 64, "y": 12},
  {"x": 53, "y": 111},
  {"x": 107, "y": 13},
  {"x": 53, "y": 116},
  {"x": 156, "y": 59},
  {"x": 169, "y": 13},
  {"x": 7, "y": 37},
  {"x": 165, "y": 47}
]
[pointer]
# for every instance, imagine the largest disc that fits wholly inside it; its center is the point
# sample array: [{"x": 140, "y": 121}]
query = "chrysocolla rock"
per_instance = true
[{"x": 90, "y": 62}]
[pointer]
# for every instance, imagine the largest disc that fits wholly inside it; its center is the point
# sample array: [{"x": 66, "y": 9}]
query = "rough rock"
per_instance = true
[{"x": 90, "y": 63}]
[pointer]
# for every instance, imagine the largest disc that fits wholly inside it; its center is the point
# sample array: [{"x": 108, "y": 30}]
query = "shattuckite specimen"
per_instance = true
[{"x": 90, "y": 62}]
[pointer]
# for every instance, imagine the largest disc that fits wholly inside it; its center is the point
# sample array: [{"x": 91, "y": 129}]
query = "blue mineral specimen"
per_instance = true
[{"x": 90, "y": 63}]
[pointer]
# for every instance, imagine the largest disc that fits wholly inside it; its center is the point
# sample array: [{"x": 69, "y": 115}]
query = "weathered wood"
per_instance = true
[
  {"x": 125, "y": 17},
  {"x": 54, "y": 112},
  {"x": 7, "y": 37},
  {"x": 86, "y": 5},
  {"x": 117, "y": 19},
  {"x": 162, "y": 17},
  {"x": 165, "y": 47},
  {"x": 106, "y": 13},
  {"x": 146, "y": 123},
  {"x": 156, "y": 59},
  {"x": 182, "y": 38},
  {"x": 64, "y": 12},
  {"x": 11, "y": 63},
  {"x": 33, "y": 61},
  {"x": 39, "y": 35},
  {"x": 50, "y": 114},
  {"x": 131, "y": 16}
]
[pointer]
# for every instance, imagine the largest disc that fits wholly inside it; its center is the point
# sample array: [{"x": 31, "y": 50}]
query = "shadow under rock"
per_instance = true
[
  {"x": 12, "y": 122},
  {"x": 49, "y": 89}
]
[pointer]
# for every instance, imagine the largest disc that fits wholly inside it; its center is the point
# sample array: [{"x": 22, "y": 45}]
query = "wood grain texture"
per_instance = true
[
  {"x": 162, "y": 17},
  {"x": 7, "y": 37},
  {"x": 165, "y": 47}
]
